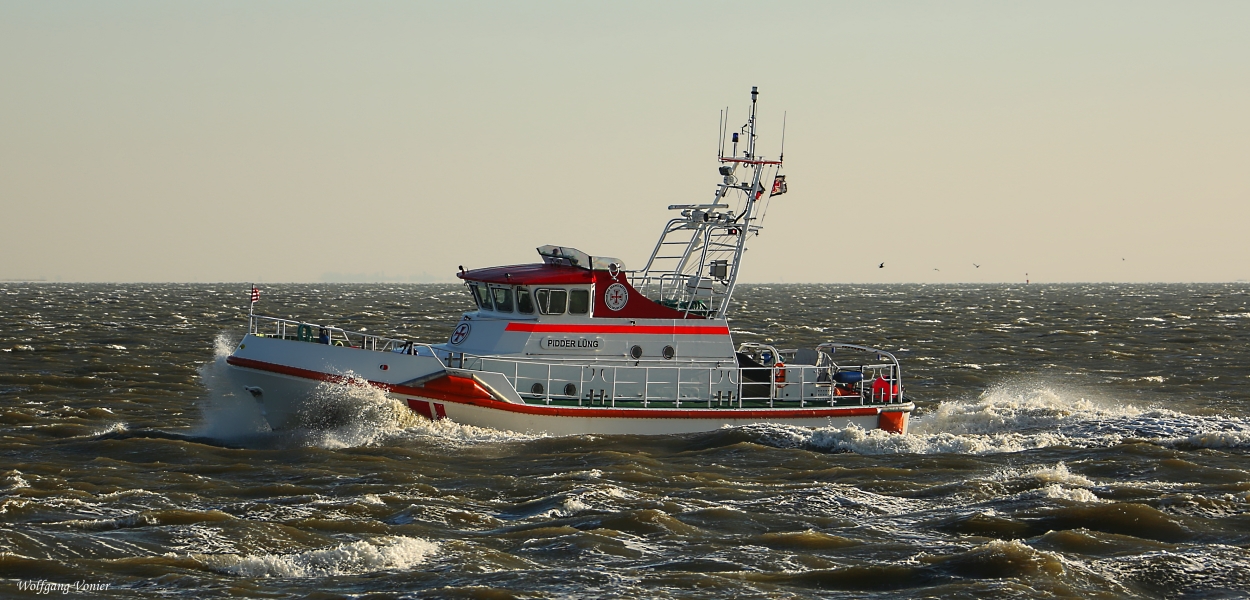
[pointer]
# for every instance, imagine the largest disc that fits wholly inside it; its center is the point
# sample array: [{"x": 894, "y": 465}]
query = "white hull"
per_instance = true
[{"x": 289, "y": 401}]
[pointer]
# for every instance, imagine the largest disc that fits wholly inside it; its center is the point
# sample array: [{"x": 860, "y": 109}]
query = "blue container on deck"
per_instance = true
[{"x": 848, "y": 377}]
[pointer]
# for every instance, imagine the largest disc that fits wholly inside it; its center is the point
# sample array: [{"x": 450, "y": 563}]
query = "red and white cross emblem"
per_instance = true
[
  {"x": 616, "y": 296},
  {"x": 461, "y": 332}
]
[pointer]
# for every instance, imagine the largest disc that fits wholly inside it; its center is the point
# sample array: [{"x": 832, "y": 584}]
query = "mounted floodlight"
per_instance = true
[{"x": 720, "y": 269}]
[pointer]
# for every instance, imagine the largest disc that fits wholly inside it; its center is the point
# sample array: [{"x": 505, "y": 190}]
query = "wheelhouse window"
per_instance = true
[
  {"x": 524, "y": 303},
  {"x": 579, "y": 302},
  {"x": 503, "y": 299},
  {"x": 482, "y": 296},
  {"x": 551, "y": 301}
]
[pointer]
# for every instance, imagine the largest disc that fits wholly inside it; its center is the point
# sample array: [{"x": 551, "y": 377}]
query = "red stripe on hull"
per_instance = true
[
  {"x": 447, "y": 387},
  {"x": 421, "y": 407},
  {"x": 641, "y": 329},
  {"x": 462, "y": 390}
]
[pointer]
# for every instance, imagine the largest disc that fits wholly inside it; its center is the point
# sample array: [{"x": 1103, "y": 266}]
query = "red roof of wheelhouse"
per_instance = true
[{"x": 536, "y": 274}]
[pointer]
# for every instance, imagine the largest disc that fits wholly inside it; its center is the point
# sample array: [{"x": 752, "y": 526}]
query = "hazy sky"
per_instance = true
[{"x": 301, "y": 141}]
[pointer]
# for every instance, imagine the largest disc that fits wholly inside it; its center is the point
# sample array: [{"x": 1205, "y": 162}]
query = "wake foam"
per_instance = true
[
  {"x": 226, "y": 413},
  {"x": 357, "y": 414},
  {"x": 352, "y": 414},
  {"x": 1018, "y": 417},
  {"x": 450, "y": 432},
  {"x": 1020, "y": 406}
]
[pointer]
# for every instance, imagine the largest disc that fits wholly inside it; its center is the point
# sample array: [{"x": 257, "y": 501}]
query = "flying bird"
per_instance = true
[
  {"x": 976, "y": 265},
  {"x": 881, "y": 266}
]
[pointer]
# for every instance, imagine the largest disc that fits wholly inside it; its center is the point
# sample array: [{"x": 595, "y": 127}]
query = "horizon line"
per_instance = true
[{"x": 414, "y": 283}]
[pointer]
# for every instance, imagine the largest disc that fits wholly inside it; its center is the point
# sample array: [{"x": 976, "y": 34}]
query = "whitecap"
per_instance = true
[
  {"x": 14, "y": 481},
  {"x": 1214, "y": 439},
  {"x": 1058, "y": 474},
  {"x": 353, "y": 558},
  {"x": 1058, "y": 492}
]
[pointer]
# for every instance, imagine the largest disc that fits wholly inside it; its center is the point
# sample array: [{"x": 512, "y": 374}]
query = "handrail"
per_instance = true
[
  {"x": 680, "y": 384},
  {"x": 666, "y": 382},
  {"x": 366, "y": 341}
]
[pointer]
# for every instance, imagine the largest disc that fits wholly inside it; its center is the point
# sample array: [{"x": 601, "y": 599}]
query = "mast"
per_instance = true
[
  {"x": 757, "y": 165},
  {"x": 700, "y": 277}
]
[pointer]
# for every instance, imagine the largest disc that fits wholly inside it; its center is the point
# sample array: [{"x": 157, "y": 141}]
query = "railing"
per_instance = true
[
  {"x": 695, "y": 385},
  {"x": 880, "y": 382},
  {"x": 680, "y": 273},
  {"x": 288, "y": 329}
]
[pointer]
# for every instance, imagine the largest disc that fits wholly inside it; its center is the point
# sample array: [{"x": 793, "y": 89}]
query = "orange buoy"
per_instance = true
[{"x": 892, "y": 421}]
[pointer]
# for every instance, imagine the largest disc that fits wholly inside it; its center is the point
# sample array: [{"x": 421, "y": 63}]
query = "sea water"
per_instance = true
[{"x": 1069, "y": 441}]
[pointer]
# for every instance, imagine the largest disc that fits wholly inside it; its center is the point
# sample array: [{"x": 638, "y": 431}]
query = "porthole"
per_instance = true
[
  {"x": 668, "y": 353},
  {"x": 536, "y": 389},
  {"x": 635, "y": 352},
  {"x": 570, "y": 389}
]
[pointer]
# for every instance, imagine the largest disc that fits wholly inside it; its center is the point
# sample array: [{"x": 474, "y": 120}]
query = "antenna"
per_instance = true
[
  {"x": 720, "y": 135},
  {"x": 782, "y": 158},
  {"x": 751, "y": 123}
]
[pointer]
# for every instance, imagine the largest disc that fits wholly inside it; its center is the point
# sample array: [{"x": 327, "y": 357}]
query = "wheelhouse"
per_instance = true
[
  {"x": 525, "y": 301},
  {"x": 569, "y": 285}
]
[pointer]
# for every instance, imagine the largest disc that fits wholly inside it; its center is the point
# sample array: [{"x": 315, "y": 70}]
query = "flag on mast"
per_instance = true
[
  {"x": 779, "y": 186},
  {"x": 255, "y": 294}
]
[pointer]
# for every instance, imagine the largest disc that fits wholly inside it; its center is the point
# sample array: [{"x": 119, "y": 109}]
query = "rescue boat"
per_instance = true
[{"x": 581, "y": 344}]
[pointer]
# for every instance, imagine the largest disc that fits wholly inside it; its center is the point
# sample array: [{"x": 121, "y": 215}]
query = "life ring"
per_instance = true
[
  {"x": 304, "y": 332},
  {"x": 781, "y": 372}
]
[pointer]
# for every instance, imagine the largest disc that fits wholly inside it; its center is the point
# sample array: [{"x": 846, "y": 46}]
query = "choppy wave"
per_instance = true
[
  {"x": 1066, "y": 465},
  {"x": 350, "y": 558},
  {"x": 13, "y": 480}
]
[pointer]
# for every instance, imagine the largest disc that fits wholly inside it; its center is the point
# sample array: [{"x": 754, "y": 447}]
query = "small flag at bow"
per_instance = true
[
  {"x": 779, "y": 186},
  {"x": 255, "y": 294}
]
